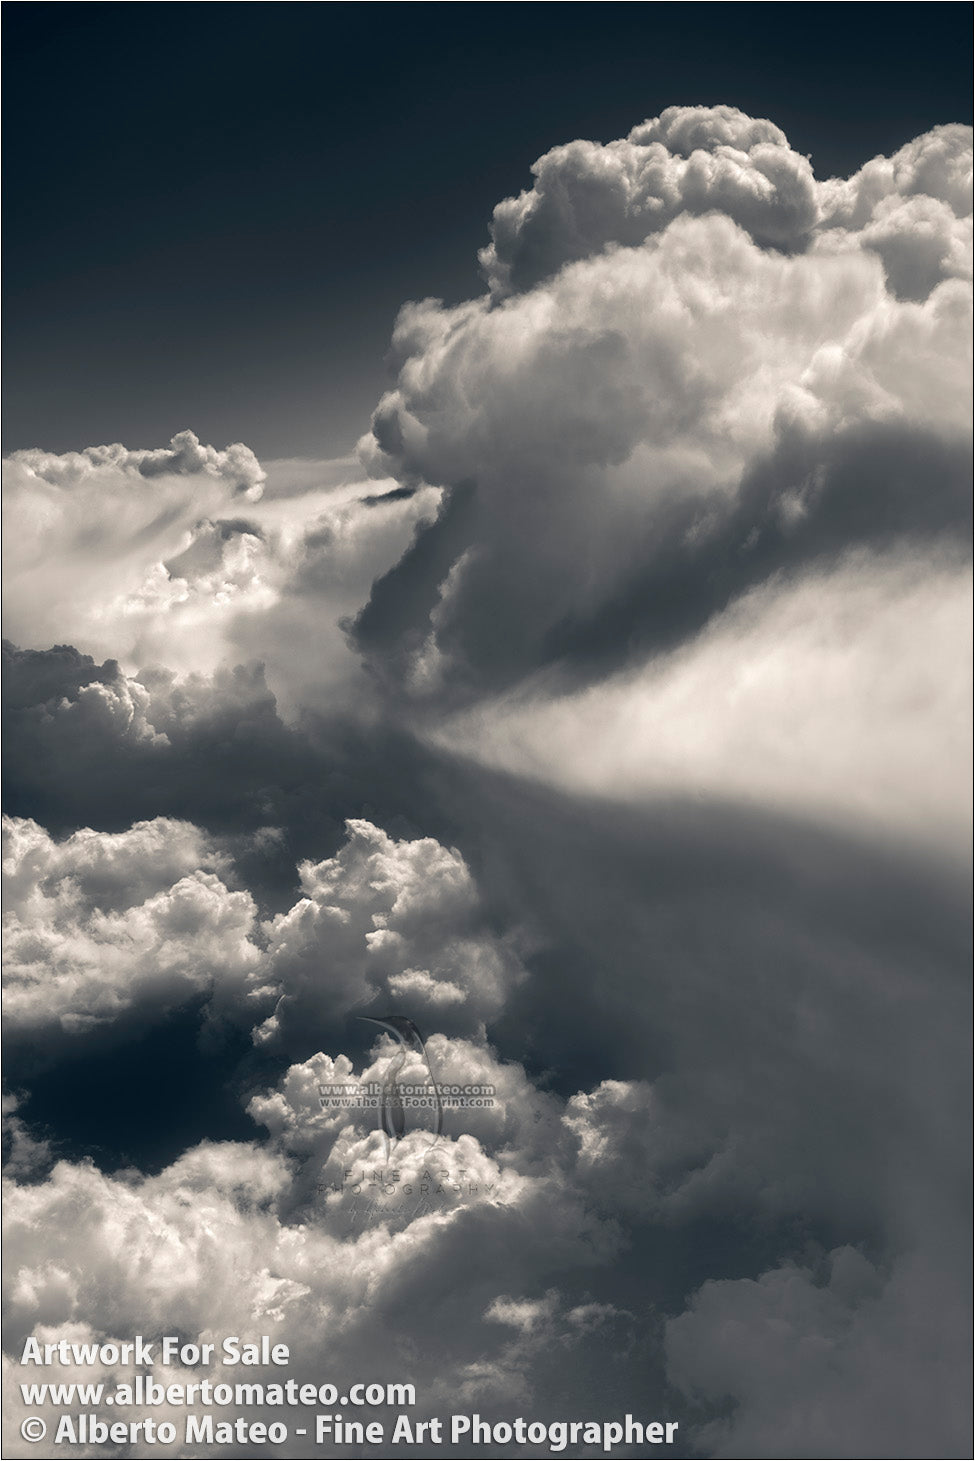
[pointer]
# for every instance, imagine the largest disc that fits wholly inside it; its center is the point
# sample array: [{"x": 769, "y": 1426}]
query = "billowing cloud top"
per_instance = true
[
  {"x": 688, "y": 160},
  {"x": 697, "y": 367},
  {"x": 695, "y": 160},
  {"x": 186, "y": 455}
]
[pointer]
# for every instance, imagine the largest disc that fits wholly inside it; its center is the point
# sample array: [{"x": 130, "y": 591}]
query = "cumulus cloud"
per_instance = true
[
  {"x": 321, "y": 1247},
  {"x": 398, "y": 922},
  {"x": 660, "y": 595},
  {"x": 696, "y": 365},
  {"x": 912, "y": 209},
  {"x": 101, "y": 924},
  {"x": 96, "y": 523},
  {"x": 673, "y": 408},
  {"x": 87, "y": 744},
  {"x": 521, "y": 1124},
  {"x": 688, "y": 160},
  {"x": 487, "y": 1265},
  {"x": 176, "y": 557},
  {"x": 186, "y": 456},
  {"x": 792, "y": 1096}
]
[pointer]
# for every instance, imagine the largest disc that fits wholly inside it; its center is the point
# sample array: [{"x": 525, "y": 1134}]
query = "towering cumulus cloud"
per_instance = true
[
  {"x": 616, "y": 738},
  {"x": 696, "y": 368}
]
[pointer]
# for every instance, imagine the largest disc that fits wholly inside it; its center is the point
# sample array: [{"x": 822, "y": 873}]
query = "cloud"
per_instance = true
[
  {"x": 689, "y": 160},
  {"x": 773, "y": 997},
  {"x": 386, "y": 922},
  {"x": 326, "y": 563},
  {"x": 25, "y": 1158},
  {"x": 767, "y": 979},
  {"x": 668, "y": 413},
  {"x": 185, "y": 456},
  {"x": 102, "y": 925},
  {"x": 697, "y": 365},
  {"x": 489, "y": 1265},
  {"x": 811, "y": 694},
  {"x": 88, "y": 745},
  {"x": 828, "y": 1362},
  {"x": 521, "y": 1124},
  {"x": 178, "y": 558},
  {"x": 97, "y": 524},
  {"x": 241, "y": 1238},
  {"x": 912, "y": 209},
  {"x": 651, "y": 787}
]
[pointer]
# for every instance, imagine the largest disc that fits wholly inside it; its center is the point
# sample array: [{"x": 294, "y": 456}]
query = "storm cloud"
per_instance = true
[
  {"x": 647, "y": 419},
  {"x": 614, "y": 730}
]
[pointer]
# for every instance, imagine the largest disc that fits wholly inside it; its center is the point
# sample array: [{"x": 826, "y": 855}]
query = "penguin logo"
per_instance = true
[{"x": 392, "y": 1112}]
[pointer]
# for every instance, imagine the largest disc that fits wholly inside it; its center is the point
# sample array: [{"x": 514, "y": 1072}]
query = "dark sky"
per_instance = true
[{"x": 214, "y": 212}]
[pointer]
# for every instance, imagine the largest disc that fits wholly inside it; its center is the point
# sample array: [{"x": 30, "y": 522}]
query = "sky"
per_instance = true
[
  {"x": 487, "y": 506},
  {"x": 213, "y": 224}
]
